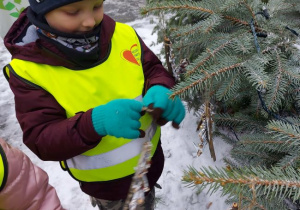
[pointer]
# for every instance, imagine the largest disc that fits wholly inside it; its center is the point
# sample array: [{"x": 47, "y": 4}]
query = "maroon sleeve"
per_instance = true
[
  {"x": 46, "y": 129},
  {"x": 155, "y": 73}
]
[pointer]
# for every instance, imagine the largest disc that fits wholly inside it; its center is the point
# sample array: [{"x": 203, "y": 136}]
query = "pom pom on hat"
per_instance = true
[{"x": 41, "y": 7}]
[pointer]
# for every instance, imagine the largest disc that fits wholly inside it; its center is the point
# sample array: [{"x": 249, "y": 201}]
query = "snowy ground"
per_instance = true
[{"x": 177, "y": 145}]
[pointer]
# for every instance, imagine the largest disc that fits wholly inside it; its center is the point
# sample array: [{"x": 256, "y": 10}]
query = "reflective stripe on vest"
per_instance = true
[
  {"x": 3, "y": 168},
  {"x": 120, "y": 76},
  {"x": 112, "y": 157}
]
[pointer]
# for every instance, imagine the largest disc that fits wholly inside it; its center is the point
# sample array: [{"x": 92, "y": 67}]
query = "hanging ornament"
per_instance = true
[
  {"x": 205, "y": 129},
  {"x": 139, "y": 185},
  {"x": 202, "y": 127}
]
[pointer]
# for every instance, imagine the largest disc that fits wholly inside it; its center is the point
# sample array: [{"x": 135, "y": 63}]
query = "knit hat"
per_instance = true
[{"x": 41, "y": 7}]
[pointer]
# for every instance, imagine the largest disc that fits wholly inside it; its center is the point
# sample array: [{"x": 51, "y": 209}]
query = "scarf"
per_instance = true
[{"x": 86, "y": 44}]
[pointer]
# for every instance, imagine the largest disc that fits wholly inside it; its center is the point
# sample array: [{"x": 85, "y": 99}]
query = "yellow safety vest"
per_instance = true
[
  {"x": 3, "y": 168},
  {"x": 120, "y": 76}
]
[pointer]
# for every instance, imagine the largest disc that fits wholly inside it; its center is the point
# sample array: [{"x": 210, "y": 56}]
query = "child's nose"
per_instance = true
[{"x": 89, "y": 21}]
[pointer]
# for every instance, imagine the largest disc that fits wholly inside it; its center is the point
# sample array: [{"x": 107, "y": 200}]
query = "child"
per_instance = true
[
  {"x": 80, "y": 82},
  {"x": 24, "y": 185}
]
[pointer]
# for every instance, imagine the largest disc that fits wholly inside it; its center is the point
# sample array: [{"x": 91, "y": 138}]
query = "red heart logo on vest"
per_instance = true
[{"x": 128, "y": 55}]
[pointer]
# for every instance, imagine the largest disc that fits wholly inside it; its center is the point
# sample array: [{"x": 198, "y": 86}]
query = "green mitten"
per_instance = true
[
  {"x": 157, "y": 97},
  {"x": 119, "y": 118}
]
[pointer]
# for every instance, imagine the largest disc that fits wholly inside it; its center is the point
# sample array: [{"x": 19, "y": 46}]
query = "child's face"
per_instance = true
[{"x": 77, "y": 18}]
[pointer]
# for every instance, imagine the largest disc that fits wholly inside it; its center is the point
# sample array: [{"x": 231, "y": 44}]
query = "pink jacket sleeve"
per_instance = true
[{"x": 27, "y": 185}]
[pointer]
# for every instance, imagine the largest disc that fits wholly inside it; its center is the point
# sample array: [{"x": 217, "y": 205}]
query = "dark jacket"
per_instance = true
[{"x": 46, "y": 129}]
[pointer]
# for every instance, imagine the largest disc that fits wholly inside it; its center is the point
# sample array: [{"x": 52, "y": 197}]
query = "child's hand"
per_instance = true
[
  {"x": 165, "y": 109},
  {"x": 119, "y": 118}
]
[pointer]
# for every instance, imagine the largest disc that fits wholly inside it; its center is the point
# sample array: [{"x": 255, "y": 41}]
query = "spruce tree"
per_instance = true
[{"x": 237, "y": 63}]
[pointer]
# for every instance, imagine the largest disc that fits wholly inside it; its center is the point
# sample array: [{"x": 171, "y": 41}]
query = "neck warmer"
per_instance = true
[
  {"x": 81, "y": 49},
  {"x": 86, "y": 44}
]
